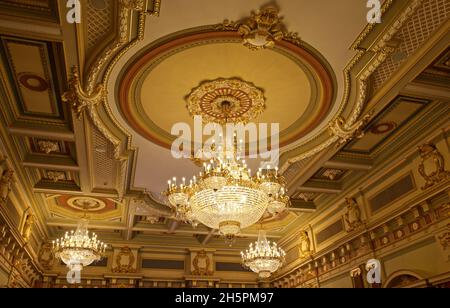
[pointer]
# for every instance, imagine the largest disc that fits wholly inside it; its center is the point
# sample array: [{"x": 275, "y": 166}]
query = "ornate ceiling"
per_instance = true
[{"x": 347, "y": 94}]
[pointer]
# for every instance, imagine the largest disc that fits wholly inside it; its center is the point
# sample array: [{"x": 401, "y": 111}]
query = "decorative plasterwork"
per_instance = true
[
  {"x": 27, "y": 228},
  {"x": 346, "y": 130},
  {"x": 304, "y": 246},
  {"x": 79, "y": 99},
  {"x": 332, "y": 174},
  {"x": 86, "y": 204},
  {"x": 262, "y": 29},
  {"x": 431, "y": 157},
  {"x": 46, "y": 256},
  {"x": 6, "y": 184},
  {"x": 96, "y": 207},
  {"x": 202, "y": 264},
  {"x": 352, "y": 216},
  {"x": 307, "y": 196},
  {"x": 56, "y": 176},
  {"x": 48, "y": 146},
  {"x": 124, "y": 261},
  {"x": 226, "y": 101},
  {"x": 348, "y": 251},
  {"x": 136, "y": 101}
]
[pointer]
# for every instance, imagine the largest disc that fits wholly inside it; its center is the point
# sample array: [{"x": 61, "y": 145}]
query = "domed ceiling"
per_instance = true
[
  {"x": 300, "y": 75},
  {"x": 294, "y": 83}
]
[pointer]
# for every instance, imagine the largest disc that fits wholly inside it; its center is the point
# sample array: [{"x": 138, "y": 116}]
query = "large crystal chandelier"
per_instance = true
[
  {"x": 225, "y": 196},
  {"x": 78, "y": 249},
  {"x": 263, "y": 257}
]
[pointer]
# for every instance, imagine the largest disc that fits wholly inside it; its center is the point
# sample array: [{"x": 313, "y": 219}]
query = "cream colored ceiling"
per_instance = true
[
  {"x": 286, "y": 86},
  {"x": 328, "y": 26}
]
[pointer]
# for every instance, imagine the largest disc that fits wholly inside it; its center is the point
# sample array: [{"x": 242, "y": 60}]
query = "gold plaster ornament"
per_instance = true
[
  {"x": 5, "y": 184},
  {"x": 46, "y": 257},
  {"x": 78, "y": 98},
  {"x": 201, "y": 264},
  {"x": 28, "y": 227},
  {"x": 347, "y": 132},
  {"x": 125, "y": 261},
  {"x": 262, "y": 30},
  {"x": 226, "y": 101},
  {"x": 304, "y": 245},
  {"x": 352, "y": 216},
  {"x": 431, "y": 157},
  {"x": 47, "y": 146}
]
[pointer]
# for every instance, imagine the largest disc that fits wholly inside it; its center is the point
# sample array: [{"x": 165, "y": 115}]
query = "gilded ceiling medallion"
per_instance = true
[
  {"x": 226, "y": 101},
  {"x": 86, "y": 204}
]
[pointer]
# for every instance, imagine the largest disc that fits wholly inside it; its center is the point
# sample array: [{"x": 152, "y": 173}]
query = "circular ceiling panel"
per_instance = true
[{"x": 290, "y": 85}]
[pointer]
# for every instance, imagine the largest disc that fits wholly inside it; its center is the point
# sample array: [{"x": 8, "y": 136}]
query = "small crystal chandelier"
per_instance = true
[
  {"x": 263, "y": 257},
  {"x": 225, "y": 196},
  {"x": 77, "y": 249}
]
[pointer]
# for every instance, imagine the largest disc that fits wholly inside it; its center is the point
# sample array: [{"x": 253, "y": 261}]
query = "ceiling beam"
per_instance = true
[
  {"x": 72, "y": 223},
  {"x": 50, "y": 163},
  {"x": 173, "y": 226},
  {"x": 348, "y": 164},
  {"x": 302, "y": 206},
  {"x": 189, "y": 231},
  {"x": 322, "y": 188},
  {"x": 63, "y": 134},
  {"x": 427, "y": 90}
]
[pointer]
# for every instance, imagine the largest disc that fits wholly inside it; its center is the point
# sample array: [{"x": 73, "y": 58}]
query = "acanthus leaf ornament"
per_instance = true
[
  {"x": 347, "y": 132},
  {"x": 78, "y": 98},
  {"x": 262, "y": 30}
]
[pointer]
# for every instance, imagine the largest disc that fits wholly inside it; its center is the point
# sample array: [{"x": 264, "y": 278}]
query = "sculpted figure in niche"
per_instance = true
[
  {"x": 5, "y": 184},
  {"x": 28, "y": 227},
  {"x": 352, "y": 215},
  {"x": 305, "y": 245}
]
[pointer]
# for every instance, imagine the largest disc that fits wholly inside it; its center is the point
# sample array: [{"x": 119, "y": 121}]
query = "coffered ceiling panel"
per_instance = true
[
  {"x": 399, "y": 112},
  {"x": 96, "y": 208},
  {"x": 45, "y": 10},
  {"x": 34, "y": 71}
]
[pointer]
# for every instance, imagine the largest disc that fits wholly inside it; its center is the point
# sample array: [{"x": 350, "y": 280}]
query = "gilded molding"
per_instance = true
[
  {"x": 78, "y": 98},
  {"x": 156, "y": 8},
  {"x": 82, "y": 101},
  {"x": 346, "y": 132},
  {"x": 370, "y": 26},
  {"x": 126, "y": 7},
  {"x": 383, "y": 49}
]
